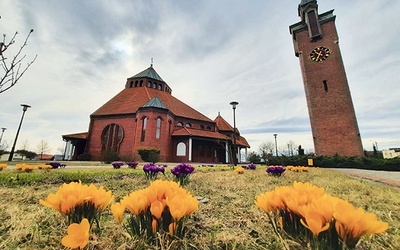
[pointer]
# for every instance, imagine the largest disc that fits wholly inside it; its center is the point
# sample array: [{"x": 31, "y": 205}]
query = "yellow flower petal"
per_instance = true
[
  {"x": 117, "y": 209},
  {"x": 78, "y": 235},
  {"x": 156, "y": 209}
]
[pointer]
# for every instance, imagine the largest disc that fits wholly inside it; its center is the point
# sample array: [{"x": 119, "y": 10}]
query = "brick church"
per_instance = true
[{"x": 146, "y": 115}]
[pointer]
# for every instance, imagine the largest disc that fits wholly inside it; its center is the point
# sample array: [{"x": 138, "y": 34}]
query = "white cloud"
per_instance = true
[{"x": 209, "y": 52}]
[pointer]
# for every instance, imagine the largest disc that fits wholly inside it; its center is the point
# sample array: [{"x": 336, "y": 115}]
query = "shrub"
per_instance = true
[
  {"x": 253, "y": 157},
  {"x": 338, "y": 161},
  {"x": 84, "y": 157},
  {"x": 110, "y": 156},
  {"x": 127, "y": 157},
  {"x": 149, "y": 154}
]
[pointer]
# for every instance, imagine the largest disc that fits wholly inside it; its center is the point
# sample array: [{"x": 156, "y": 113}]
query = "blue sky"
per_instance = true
[{"x": 209, "y": 52}]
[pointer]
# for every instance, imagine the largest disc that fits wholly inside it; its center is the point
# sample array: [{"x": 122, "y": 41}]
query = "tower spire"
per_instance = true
[
  {"x": 151, "y": 64},
  {"x": 308, "y": 12}
]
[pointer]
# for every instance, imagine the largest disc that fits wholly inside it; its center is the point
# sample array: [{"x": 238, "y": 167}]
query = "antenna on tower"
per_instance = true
[{"x": 151, "y": 65}]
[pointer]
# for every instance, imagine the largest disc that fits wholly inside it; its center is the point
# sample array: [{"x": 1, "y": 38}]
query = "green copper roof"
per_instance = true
[
  {"x": 149, "y": 73},
  {"x": 155, "y": 102}
]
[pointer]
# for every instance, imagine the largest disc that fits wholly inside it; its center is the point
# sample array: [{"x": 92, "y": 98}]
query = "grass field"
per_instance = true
[{"x": 229, "y": 220}]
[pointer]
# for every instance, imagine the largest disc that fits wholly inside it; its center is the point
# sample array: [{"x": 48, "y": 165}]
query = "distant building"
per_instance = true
[
  {"x": 391, "y": 153},
  {"x": 16, "y": 157},
  {"x": 146, "y": 115}
]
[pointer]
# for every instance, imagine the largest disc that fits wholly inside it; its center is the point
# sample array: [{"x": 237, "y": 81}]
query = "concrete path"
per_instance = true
[{"x": 391, "y": 178}]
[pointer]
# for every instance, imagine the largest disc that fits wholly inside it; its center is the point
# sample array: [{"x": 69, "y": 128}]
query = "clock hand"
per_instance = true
[{"x": 319, "y": 55}]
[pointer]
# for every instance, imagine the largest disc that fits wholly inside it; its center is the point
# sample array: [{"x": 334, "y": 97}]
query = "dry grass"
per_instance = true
[{"x": 230, "y": 220}]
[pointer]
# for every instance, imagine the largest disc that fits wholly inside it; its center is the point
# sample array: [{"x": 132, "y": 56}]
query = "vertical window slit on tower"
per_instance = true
[
  {"x": 325, "y": 85},
  {"x": 313, "y": 24}
]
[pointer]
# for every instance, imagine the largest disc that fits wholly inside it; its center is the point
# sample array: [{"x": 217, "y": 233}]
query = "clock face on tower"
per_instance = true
[{"x": 319, "y": 54}]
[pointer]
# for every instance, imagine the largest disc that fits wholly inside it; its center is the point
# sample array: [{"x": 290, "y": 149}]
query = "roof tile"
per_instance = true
[{"x": 129, "y": 100}]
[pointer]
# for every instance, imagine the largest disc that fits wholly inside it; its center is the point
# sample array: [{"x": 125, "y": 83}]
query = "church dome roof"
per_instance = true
[
  {"x": 155, "y": 102},
  {"x": 150, "y": 72}
]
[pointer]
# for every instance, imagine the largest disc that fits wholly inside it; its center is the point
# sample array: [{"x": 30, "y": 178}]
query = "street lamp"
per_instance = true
[
  {"x": 234, "y": 104},
  {"x": 24, "y": 109},
  {"x": 276, "y": 145},
  {"x": 2, "y": 132}
]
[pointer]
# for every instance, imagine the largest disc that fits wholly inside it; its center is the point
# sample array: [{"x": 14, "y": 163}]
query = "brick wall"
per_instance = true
[{"x": 333, "y": 120}]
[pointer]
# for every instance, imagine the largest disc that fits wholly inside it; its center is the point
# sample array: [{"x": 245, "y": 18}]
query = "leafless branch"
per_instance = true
[{"x": 13, "y": 69}]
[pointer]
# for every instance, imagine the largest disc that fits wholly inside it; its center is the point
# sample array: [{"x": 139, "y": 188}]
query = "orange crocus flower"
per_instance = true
[
  {"x": 314, "y": 221},
  {"x": 78, "y": 235},
  {"x": 156, "y": 209},
  {"x": 118, "y": 209}
]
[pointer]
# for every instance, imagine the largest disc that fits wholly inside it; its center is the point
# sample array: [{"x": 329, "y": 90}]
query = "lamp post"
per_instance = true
[
  {"x": 24, "y": 109},
  {"x": 276, "y": 145},
  {"x": 2, "y": 132},
  {"x": 234, "y": 104}
]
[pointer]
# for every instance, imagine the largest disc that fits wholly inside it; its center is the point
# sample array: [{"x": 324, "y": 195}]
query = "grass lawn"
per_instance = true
[{"x": 229, "y": 220}]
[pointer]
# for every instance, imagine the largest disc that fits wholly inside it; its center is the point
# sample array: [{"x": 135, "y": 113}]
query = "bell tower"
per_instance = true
[{"x": 330, "y": 107}]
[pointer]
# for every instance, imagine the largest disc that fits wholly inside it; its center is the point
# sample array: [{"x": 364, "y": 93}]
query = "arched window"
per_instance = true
[
  {"x": 201, "y": 126},
  {"x": 136, "y": 83},
  {"x": 144, "y": 124},
  {"x": 181, "y": 149},
  {"x": 158, "y": 128},
  {"x": 208, "y": 128},
  {"x": 149, "y": 84},
  {"x": 179, "y": 124},
  {"x": 160, "y": 86},
  {"x": 112, "y": 137},
  {"x": 154, "y": 85},
  {"x": 131, "y": 84},
  {"x": 141, "y": 83},
  {"x": 188, "y": 125}
]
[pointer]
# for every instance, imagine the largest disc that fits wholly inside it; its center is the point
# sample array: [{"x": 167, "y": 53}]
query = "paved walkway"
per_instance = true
[{"x": 391, "y": 178}]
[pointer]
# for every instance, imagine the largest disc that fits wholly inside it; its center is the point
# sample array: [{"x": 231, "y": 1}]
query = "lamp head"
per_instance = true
[
  {"x": 234, "y": 104},
  {"x": 25, "y": 107}
]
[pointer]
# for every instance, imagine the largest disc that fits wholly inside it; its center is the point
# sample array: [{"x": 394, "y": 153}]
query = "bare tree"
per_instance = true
[
  {"x": 12, "y": 65},
  {"x": 25, "y": 145},
  {"x": 291, "y": 146},
  {"x": 4, "y": 145},
  {"x": 43, "y": 147},
  {"x": 61, "y": 149},
  {"x": 266, "y": 149}
]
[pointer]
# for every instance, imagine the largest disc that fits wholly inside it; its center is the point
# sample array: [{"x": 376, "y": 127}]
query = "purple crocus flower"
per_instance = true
[
  {"x": 151, "y": 170},
  {"x": 55, "y": 164},
  {"x": 182, "y": 172},
  {"x": 117, "y": 164},
  {"x": 252, "y": 166},
  {"x": 132, "y": 164},
  {"x": 275, "y": 170}
]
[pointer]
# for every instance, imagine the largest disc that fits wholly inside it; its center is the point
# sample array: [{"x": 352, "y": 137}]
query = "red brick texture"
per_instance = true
[{"x": 332, "y": 116}]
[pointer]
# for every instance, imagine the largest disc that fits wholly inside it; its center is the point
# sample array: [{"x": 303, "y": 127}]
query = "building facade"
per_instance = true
[
  {"x": 146, "y": 115},
  {"x": 332, "y": 116},
  {"x": 391, "y": 153}
]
